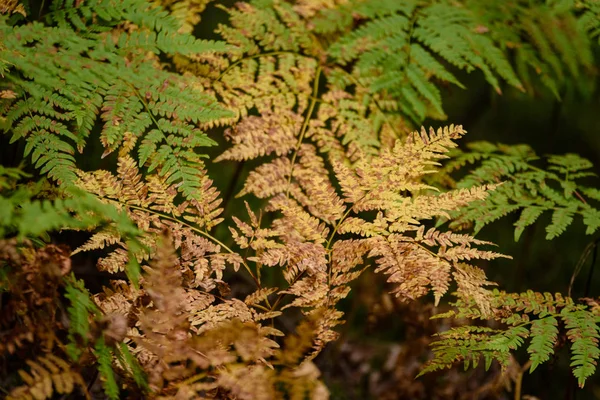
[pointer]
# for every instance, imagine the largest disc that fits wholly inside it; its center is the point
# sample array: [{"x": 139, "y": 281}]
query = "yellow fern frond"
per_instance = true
[{"x": 100, "y": 240}]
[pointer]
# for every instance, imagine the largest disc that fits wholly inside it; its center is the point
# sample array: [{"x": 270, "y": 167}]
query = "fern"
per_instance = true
[
  {"x": 22, "y": 213},
  {"x": 80, "y": 309},
  {"x": 107, "y": 375},
  {"x": 320, "y": 99},
  {"x": 48, "y": 374},
  {"x": 60, "y": 98},
  {"x": 129, "y": 362},
  {"x": 544, "y": 333},
  {"x": 561, "y": 188},
  {"x": 583, "y": 331},
  {"x": 469, "y": 343}
]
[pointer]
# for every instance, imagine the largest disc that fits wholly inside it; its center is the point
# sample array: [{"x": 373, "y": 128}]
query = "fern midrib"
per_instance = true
[{"x": 193, "y": 228}]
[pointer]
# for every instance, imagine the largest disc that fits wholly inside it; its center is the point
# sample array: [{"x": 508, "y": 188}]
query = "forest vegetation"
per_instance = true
[{"x": 279, "y": 199}]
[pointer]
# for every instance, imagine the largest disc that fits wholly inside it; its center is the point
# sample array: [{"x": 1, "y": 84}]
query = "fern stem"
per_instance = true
[
  {"x": 195, "y": 229},
  {"x": 304, "y": 128},
  {"x": 519, "y": 380},
  {"x": 193, "y": 378},
  {"x": 337, "y": 226},
  {"x": 141, "y": 99}
]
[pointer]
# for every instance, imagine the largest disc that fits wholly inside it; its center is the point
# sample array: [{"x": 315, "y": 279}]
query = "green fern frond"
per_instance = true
[
  {"x": 463, "y": 344},
  {"x": 23, "y": 215},
  {"x": 583, "y": 332},
  {"x": 561, "y": 219},
  {"x": 544, "y": 335},
  {"x": 589, "y": 21},
  {"x": 104, "y": 355},
  {"x": 81, "y": 309},
  {"x": 131, "y": 365},
  {"x": 397, "y": 51},
  {"x": 547, "y": 39},
  {"x": 528, "y": 217},
  {"x": 526, "y": 187},
  {"x": 61, "y": 94},
  {"x": 517, "y": 311}
]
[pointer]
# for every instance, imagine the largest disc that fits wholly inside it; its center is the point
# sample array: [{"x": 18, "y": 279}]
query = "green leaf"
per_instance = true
[
  {"x": 130, "y": 364},
  {"x": 544, "y": 334},
  {"x": 561, "y": 219},
  {"x": 591, "y": 219},
  {"x": 107, "y": 375},
  {"x": 528, "y": 216},
  {"x": 80, "y": 309},
  {"x": 583, "y": 332}
]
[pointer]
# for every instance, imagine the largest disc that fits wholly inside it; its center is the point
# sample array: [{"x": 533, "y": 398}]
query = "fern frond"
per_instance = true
[
  {"x": 49, "y": 375},
  {"x": 152, "y": 203},
  {"x": 517, "y": 311},
  {"x": 81, "y": 308},
  {"x": 544, "y": 335},
  {"x": 526, "y": 187},
  {"x": 583, "y": 332},
  {"x": 104, "y": 356},
  {"x": 60, "y": 97},
  {"x": 131, "y": 364}
]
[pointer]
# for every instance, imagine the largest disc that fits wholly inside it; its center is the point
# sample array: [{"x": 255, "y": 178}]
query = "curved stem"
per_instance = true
[
  {"x": 281, "y": 296},
  {"x": 193, "y": 228}
]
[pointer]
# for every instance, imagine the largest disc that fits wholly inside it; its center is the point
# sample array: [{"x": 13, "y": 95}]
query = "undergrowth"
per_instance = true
[{"x": 324, "y": 101}]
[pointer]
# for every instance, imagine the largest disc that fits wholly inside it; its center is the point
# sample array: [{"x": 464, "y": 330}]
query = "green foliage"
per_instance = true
[
  {"x": 22, "y": 214},
  {"x": 129, "y": 363},
  {"x": 583, "y": 332},
  {"x": 104, "y": 356},
  {"x": 81, "y": 309},
  {"x": 562, "y": 188},
  {"x": 468, "y": 344},
  {"x": 408, "y": 48},
  {"x": 67, "y": 79},
  {"x": 544, "y": 333},
  {"x": 329, "y": 93},
  {"x": 401, "y": 48}
]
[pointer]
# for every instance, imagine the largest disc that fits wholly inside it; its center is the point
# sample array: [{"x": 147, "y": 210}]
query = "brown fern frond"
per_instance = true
[
  {"x": 152, "y": 203},
  {"x": 215, "y": 315},
  {"x": 254, "y": 137},
  {"x": 32, "y": 276},
  {"x": 269, "y": 179},
  {"x": 307, "y": 226},
  {"x": 48, "y": 375},
  {"x": 318, "y": 194},
  {"x": 259, "y": 296},
  {"x": 471, "y": 282}
]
